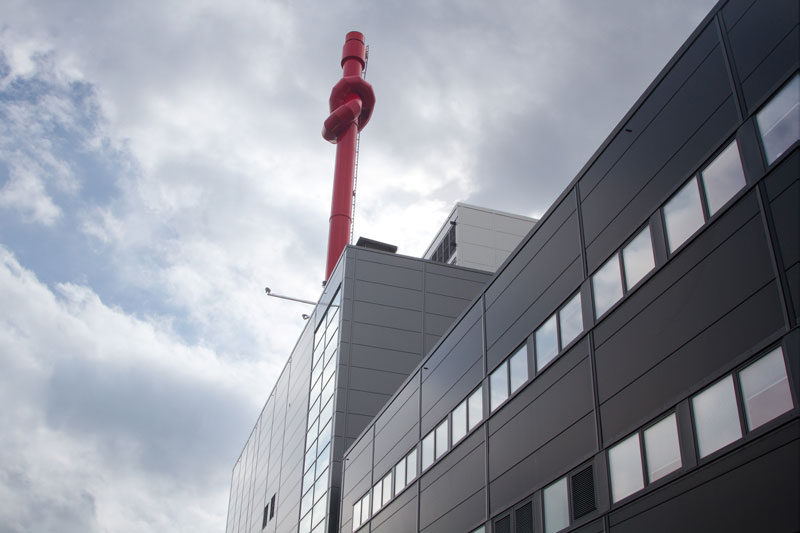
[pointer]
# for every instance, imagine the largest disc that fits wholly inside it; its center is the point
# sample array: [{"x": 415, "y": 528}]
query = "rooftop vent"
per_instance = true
[{"x": 363, "y": 242}]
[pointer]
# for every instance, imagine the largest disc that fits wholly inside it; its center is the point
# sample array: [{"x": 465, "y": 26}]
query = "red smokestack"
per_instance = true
[{"x": 351, "y": 104}]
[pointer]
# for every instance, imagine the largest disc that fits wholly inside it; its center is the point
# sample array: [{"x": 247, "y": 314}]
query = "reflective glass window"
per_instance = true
[
  {"x": 312, "y": 433},
  {"x": 716, "y": 417},
  {"x": 308, "y": 480},
  {"x": 323, "y": 459},
  {"x": 606, "y": 286},
  {"x": 723, "y": 178},
  {"x": 311, "y": 454},
  {"x": 498, "y": 386},
  {"x": 637, "y": 257},
  {"x": 307, "y": 501},
  {"x": 387, "y": 488},
  {"x": 476, "y": 408},
  {"x": 570, "y": 318},
  {"x": 556, "y": 506},
  {"x": 305, "y": 524},
  {"x": 365, "y": 509},
  {"x": 441, "y": 439},
  {"x": 400, "y": 476},
  {"x": 428, "y": 450},
  {"x": 327, "y": 392},
  {"x": 683, "y": 215},
  {"x": 459, "y": 421},
  {"x": 662, "y": 450},
  {"x": 324, "y": 436},
  {"x": 765, "y": 388},
  {"x": 321, "y": 486},
  {"x": 546, "y": 338},
  {"x": 327, "y": 412},
  {"x": 625, "y": 466},
  {"x": 319, "y": 512},
  {"x": 315, "y": 374},
  {"x": 518, "y": 368},
  {"x": 377, "y": 497},
  {"x": 356, "y": 515},
  {"x": 330, "y": 368},
  {"x": 411, "y": 466},
  {"x": 779, "y": 120}
]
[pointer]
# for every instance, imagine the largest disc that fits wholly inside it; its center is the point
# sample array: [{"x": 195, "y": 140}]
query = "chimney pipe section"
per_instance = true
[{"x": 351, "y": 104}]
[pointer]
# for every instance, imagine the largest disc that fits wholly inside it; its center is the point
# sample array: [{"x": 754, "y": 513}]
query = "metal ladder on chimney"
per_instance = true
[{"x": 355, "y": 170}]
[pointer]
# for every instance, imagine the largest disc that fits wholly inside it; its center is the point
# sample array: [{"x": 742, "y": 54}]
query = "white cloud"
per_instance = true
[
  {"x": 116, "y": 406},
  {"x": 25, "y": 193}
]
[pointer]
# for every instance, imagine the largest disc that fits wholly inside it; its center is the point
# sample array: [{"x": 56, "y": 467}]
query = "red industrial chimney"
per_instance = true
[{"x": 351, "y": 104}]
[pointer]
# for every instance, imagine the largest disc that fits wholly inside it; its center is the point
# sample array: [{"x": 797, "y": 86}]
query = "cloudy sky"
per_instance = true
[{"x": 161, "y": 162}]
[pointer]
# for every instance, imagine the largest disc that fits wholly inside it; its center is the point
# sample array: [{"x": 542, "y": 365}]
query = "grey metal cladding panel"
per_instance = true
[
  {"x": 437, "y": 324},
  {"x": 541, "y": 420},
  {"x": 786, "y": 217},
  {"x": 567, "y": 450},
  {"x": 374, "y": 256},
  {"x": 390, "y": 360},
  {"x": 783, "y": 175},
  {"x": 365, "y": 403},
  {"x": 756, "y": 34},
  {"x": 680, "y": 165},
  {"x": 445, "y": 399},
  {"x": 390, "y": 452},
  {"x": 357, "y": 475},
  {"x": 356, "y": 423},
  {"x": 455, "y": 272},
  {"x": 452, "y": 481},
  {"x": 717, "y": 272},
  {"x": 691, "y": 59},
  {"x": 544, "y": 231},
  {"x": 451, "y": 286},
  {"x": 733, "y": 10},
  {"x": 464, "y": 517},
  {"x": 591, "y": 527},
  {"x": 375, "y": 380},
  {"x": 379, "y": 293},
  {"x": 400, "y": 515},
  {"x": 430, "y": 342},
  {"x": 445, "y": 305},
  {"x": 553, "y": 257},
  {"x": 389, "y": 275},
  {"x": 685, "y": 113},
  {"x": 783, "y": 60},
  {"x": 401, "y": 413},
  {"x": 523, "y": 325},
  {"x": 384, "y": 315},
  {"x": 386, "y": 337},
  {"x": 754, "y": 488},
  {"x": 793, "y": 279},
  {"x": 707, "y": 354}
]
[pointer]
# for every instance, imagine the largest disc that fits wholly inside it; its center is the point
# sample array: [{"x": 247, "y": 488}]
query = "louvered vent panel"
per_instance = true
[
  {"x": 583, "y": 493},
  {"x": 524, "y": 516},
  {"x": 503, "y": 525}
]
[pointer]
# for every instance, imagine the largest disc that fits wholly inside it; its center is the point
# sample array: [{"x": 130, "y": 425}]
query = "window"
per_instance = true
[
  {"x": 446, "y": 247},
  {"x": 272, "y": 507},
  {"x": 365, "y": 508},
  {"x": 411, "y": 466},
  {"x": 662, "y": 449},
  {"x": 441, "y": 439},
  {"x": 387, "y": 488},
  {"x": 637, "y": 258},
  {"x": 683, "y": 215},
  {"x": 498, "y": 386},
  {"x": 606, "y": 286},
  {"x": 481, "y": 529},
  {"x": 716, "y": 417},
  {"x": 266, "y": 514},
  {"x": 400, "y": 476},
  {"x": 546, "y": 338},
  {"x": 357, "y": 515},
  {"x": 377, "y": 497},
  {"x": 518, "y": 368},
  {"x": 779, "y": 120},
  {"x": 723, "y": 178},
  {"x": 765, "y": 389},
  {"x": 556, "y": 506},
  {"x": 428, "y": 450},
  {"x": 459, "y": 421},
  {"x": 570, "y": 317},
  {"x": 625, "y": 465},
  {"x": 475, "y": 411}
]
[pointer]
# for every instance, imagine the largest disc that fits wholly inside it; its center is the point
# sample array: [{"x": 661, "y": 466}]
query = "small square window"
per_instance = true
[
  {"x": 683, "y": 215},
  {"x": 625, "y": 465},
  {"x": 441, "y": 439},
  {"x": 779, "y": 120},
  {"x": 546, "y": 340},
  {"x": 498, "y": 386},
  {"x": 476, "y": 408},
  {"x": 556, "y": 506},
  {"x": 662, "y": 448},
  {"x": 765, "y": 388},
  {"x": 637, "y": 257},
  {"x": 518, "y": 368},
  {"x": 716, "y": 417},
  {"x": 723, "y": 178},
  {"x": 606, "y": 286},
  {"x": 570, "y": 318}
]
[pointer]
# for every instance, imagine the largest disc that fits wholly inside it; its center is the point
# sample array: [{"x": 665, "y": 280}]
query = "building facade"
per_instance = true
[
  {"x": 635, "y": 364},
  {"x": 377, "y": 317},
  {"x": 478, "y": 237}
]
